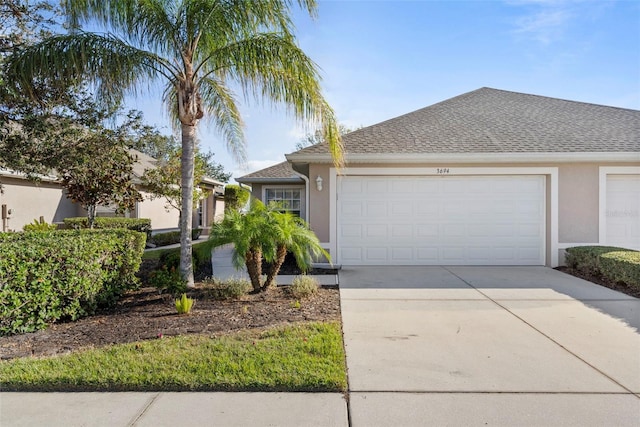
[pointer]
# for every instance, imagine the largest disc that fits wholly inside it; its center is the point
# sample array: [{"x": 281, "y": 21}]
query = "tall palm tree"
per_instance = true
[{"x": 197, "y": 49}]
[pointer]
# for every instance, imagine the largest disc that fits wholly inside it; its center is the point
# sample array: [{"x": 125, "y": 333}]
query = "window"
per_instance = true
[{"x": 287, "y": 199}]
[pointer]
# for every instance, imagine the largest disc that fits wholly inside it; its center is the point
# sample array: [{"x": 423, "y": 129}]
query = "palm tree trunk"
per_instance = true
[
  {"x": 253, "y": 261},
  {"x": 186, "y": 211},
  {"x": 281, "y": 254}
]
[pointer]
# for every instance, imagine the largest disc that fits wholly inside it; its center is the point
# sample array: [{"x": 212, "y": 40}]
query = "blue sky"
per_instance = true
[{"x": 381, "y": 59}]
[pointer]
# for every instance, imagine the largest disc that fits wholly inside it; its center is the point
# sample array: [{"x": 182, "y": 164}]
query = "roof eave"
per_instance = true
[
  {"x": 293, "y": 180},
  {"x": 412, "y": 158}
]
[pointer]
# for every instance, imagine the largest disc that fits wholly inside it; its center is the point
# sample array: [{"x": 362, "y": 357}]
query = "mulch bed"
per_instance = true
[
  {"x": 620, "y": 287},
  {"x": 144, "y": 314}
]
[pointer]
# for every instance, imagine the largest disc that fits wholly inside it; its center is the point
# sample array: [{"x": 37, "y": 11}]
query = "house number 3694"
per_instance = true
[{"x": 442, "y": 171}]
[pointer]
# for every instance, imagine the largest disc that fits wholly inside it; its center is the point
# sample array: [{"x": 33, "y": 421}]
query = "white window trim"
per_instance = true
[
  {"x": 602, "y": 199},
  {"x": 551, "y": 172},
  {"x": 303, "y": 197}
]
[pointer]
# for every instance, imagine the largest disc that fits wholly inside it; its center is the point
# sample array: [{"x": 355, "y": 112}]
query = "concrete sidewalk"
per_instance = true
[
  {"x": 172, "y": 409},
  {"x": 488, "y": 346}
]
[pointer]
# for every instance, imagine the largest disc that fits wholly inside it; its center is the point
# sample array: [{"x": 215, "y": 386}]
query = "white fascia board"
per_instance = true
[
  {"x": 470, "y": 157},
  {"x": 19, "y": 175}
]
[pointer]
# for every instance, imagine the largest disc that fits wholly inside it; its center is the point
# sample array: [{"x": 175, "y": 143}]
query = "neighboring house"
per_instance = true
[
  {"x": 489, "y": 177},
  {"x": 28, "y": 200}
]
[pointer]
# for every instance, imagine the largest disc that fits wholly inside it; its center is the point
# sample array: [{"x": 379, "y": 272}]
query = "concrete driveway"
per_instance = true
[{"x": 488, "y": 346}]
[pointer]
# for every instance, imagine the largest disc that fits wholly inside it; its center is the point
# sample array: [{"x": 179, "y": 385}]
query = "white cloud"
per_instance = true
[{"x": 545, "y": 20}]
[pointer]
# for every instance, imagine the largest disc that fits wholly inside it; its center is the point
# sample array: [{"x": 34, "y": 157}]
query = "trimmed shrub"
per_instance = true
[
  {"x": 142, "y": 225},
  {"x": 586, "y": 258},
  {"x": 232, "y": 288},
  {"x": 164, "y": 239},
  {"x": 303, "y": 286},
  {"x": 622, "y": 266},
  {"x": 66, "y": 274},
  {"x": 172, "y": 237},
  {"x": 235, "y": 197}
]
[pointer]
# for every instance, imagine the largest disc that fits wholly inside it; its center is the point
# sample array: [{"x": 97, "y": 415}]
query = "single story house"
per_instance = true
[
  {"x": 489, "y": 177},
  {"x": 23, "y": 201}
]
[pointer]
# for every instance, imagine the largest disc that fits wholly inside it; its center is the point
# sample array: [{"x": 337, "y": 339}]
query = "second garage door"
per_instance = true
[{"x": 435, "y": 220}]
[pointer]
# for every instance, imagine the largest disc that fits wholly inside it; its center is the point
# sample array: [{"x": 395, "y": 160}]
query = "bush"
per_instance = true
[
  {"x": 622, "y": 266},
  {"x": 235, "y": 198},
  {"x": 587, "y": 258},
  {"x": 142, "y": 225},
  {"x": 168, "y": 280},
  {"x": 232, "y": 288},
  {"x": 39, "y": 226},
  {"x": 303, "y": 286},
  {"x": 172, "y": 237},
  {"x": 164, "y": 239},
  {"x": 66, "y": 274}
]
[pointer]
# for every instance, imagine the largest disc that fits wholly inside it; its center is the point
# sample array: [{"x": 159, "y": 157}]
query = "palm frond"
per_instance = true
[
  {"x": 272, "y": 67},
  {"x": 223, "y": 111},
  {"x": 103, "y": 60}
]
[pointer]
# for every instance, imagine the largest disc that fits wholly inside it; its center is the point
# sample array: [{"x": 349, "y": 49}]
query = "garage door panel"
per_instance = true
[
  {"x": 441, "y": 220},
  {"x": 401, "y": 231},
  {"x": 426, "y": 230},
  {"x": 402, "y": 253},
  {"x": 623, "y": 211},
  {"x": 376, "y": 230},
  {"x": 402, "y": 209}
]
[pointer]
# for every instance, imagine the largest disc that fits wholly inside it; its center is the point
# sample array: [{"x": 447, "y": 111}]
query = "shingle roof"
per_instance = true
[
  {"x": 281, "y": 171},
  {"x": 497, "y": 121}
]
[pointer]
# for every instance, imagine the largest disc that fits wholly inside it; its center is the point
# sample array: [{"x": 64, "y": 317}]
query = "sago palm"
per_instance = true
[
  {"x": 251, "y": 234},
  {"x": 197, "y": 50},
  {"x": 292, "y": 235}
]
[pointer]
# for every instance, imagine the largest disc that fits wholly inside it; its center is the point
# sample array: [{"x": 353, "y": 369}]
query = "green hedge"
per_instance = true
[
  {"x": 622, "y": 266},
  {"x": 587, "y": 258},
  {"x": 142, "y": 225},
  {"x": 613, "y": 263},
  {"x": 66, "y": 274},
  {"x": 172, "y": 237}
]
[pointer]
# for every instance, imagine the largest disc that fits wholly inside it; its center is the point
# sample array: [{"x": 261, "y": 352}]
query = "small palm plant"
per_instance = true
[
  {"x": 292, "y": 234},
  {"x": 265, "y": 233}
]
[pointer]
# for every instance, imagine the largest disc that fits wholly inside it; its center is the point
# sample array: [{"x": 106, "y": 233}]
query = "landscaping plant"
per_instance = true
[
  {"x": 184, "y": 304},
  {"x": 39, "y": 226},
  {"x": 168, "y": 280},
  {"x": 231, "y": 288},
  {"x": 65, "y": 274},
  {"x": 303, "y": 286},
  {"x": 265, "y": 233}
]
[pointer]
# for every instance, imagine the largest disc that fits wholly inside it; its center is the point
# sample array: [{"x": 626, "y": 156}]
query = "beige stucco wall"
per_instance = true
[
  {"x": 156, "y": 212},
  {"x": 319, "y": 202},
  {"x": 28, "y": 201},
  {"x": 578, "y": 203}
]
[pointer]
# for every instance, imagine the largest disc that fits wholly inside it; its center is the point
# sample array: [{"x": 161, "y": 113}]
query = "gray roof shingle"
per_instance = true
[
  {"x": 281, "y": 171},
  {"x": 497, "y": 121}
]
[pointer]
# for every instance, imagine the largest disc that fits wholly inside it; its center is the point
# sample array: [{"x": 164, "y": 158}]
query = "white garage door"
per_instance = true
[
  {"x": 623, "y": 211},
  {"x": 434, "y": 220}
]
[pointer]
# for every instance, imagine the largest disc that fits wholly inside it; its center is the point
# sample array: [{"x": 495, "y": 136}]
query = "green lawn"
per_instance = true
[{"x": 304, "y": 357}]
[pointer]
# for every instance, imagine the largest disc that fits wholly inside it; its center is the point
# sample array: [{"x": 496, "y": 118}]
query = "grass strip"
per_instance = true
[{"x": 302, "y": 357}]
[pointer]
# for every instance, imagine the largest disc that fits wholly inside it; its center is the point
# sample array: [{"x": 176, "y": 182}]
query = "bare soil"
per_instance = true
[{"x": 145, "y": 314}]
